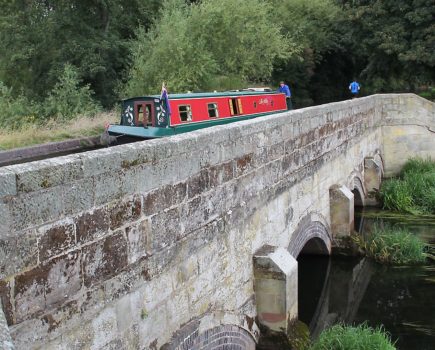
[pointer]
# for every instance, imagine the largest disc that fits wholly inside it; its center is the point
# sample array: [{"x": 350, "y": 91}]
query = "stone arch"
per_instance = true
[
  {"x": 207, "y": 333},
  {"x": 356, "y": 184},
  {"x": 312, "y": 236}
]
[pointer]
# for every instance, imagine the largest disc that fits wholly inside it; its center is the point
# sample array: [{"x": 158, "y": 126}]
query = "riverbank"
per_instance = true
[{"x": 56, "y": 131}]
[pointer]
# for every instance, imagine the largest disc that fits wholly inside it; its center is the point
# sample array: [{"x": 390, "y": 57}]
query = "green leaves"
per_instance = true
[{"x": 206, "y": 46}]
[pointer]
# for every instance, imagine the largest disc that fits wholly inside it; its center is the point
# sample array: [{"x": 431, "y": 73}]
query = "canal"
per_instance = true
[{"x": 355, "y": 290}]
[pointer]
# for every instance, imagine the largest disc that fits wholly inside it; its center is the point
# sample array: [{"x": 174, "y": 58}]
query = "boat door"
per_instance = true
[{"x": 144, "y": 114}]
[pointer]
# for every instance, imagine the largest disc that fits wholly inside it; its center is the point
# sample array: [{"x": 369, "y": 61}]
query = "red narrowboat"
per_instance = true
[{"x": 153, "y": 117}]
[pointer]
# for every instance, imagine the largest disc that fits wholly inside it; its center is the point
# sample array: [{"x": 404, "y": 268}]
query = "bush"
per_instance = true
[
  {"x": 16, "y": 111},
  {"x": 362, "y": 337},
  {"x": 68, "y": 99},
  {"x": 393, "y": 246}
]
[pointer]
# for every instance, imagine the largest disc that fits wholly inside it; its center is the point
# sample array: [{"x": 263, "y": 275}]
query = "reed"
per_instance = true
[
  {"x": 392, "y": 245},
  {"x": 413, "y": 191},
  {"x": 361, "y": 337}
]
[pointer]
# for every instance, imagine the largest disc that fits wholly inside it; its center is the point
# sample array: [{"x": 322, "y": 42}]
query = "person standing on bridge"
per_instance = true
[
  {"x": 354, "y": 88},
  {"x": 288, "y": 95}
]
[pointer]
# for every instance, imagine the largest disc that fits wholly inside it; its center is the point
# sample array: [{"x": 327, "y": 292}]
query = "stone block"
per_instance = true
[
  {"x": 139, "y": 240},
  {"x": 47, "y": 173},
  {"x": 104, "y": 259},
  {"x": 8, "y": 183},
  {"x": 198, "y": 183},
  {"x": 164, "y": 198},
  {"x": 275, "y": 286},
  {"x": 78, "y": 196},
  {"x": 92, "y": 225},
  {"x": 244, "y": 164},
  {"x": 341, "y": 210},
  {"x": 5, "y": 299},
  {"x": 105, "y": 160},
  {"x": 107, "y": 187},
  {"x": 46, "y": 286},
  {"x": 121, "y": 213},
  {"x": 165, "y": 228},
  {"x": 6, "y": 222},
  {"x": 221, "y": 173},
  {"x": 55, "y": 239},
  {"x": 37, "y": 208},
  {"x": 104, "y": 328},
  {"x": 18, "y": 253}
]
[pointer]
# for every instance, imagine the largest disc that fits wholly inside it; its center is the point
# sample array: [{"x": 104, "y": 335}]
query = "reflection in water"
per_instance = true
[{"x": 354, "y": 290}]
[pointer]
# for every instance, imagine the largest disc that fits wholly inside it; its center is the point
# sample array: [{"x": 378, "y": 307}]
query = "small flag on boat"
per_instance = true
[{"x": 164, "y": 99}]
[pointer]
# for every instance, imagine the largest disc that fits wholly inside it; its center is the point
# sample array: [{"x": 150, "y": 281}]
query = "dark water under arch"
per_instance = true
[{"x": 355, "y": 290}]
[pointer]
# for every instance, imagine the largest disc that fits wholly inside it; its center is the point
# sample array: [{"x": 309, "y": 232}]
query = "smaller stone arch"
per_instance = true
[
  {"x": 311, "y": 237},
  {"x": 207, "y": 333},
  {"x": 356, "y": 183}
]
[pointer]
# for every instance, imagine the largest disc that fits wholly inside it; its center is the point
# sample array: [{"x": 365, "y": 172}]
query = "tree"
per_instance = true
[
  {"x": 210, "y": 45},
  {"x": 314, "y": 25},
  {"x": 393, "y": 42},
  {"x": 38, "y": 37}
]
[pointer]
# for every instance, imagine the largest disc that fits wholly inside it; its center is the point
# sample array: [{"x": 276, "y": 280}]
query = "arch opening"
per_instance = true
[
  {"x": 315, "y": 246},
  {"x": 313, "y": 272}
]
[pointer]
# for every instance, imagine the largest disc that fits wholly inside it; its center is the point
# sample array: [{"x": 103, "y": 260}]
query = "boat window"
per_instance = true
[
  {"x": 235, "y": 106},
  {"x": 185, "y": 113},
  {"x": 148, "y": 116},
  {"x": 212, "y": 110},
  {"x": 139, "y": 112}
]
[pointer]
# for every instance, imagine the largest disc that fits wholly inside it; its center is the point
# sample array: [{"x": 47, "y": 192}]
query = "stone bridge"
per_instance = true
[{"x": 190, "y": 242}]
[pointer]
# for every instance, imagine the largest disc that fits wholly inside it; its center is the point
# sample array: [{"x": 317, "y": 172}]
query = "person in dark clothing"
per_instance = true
[{"x": 288, "y": 95}]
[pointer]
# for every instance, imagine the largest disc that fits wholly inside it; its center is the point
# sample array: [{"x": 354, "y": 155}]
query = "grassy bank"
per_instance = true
[
  {"x": 362, "y": 337},
  {"x": 413, "y": 191},
  {"x": 55, "y": 131},
  {"x": 394, "y": 246}
]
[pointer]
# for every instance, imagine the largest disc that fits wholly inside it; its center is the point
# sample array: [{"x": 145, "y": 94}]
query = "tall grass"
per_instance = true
[
  {"x": 390, "y": 245},
  {"x": 362, "y": 337},
  {"x": 55, "y": 131},
  {"x": 414, "y": 190}
]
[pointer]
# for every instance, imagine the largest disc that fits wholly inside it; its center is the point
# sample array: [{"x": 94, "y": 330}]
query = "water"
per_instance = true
[{"x": 356, "y": 290}]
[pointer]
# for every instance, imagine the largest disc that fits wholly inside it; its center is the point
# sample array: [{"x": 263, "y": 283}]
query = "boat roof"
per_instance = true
[{"x": 208, "y": 94}]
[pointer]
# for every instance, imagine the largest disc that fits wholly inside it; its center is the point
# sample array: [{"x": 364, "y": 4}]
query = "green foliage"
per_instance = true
[
  {"x": 206, "y": 46},
  {"x": 314, "y": 25},
  {"x": 428, "y": 93},
  {"x": 15, "y": 111},
  {"x": 68, "y": 99},
  {"x": 390, "y": 245},
  {"x": 392, "y": 42},
  {"x": 414, "y": 190},
  {"x": 37, "y": 38},
  {"x": 362, "y": 337}
]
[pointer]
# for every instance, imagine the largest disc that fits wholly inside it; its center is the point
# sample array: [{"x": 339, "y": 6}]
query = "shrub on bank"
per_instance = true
[
  {"x": 68, "y": 100},
  {"x": 362, "y": 337},
  {"x": 394, "y": 246},
  {"x": 414, "y": 190}
]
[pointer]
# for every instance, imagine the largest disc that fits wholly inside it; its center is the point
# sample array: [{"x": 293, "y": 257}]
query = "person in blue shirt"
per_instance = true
[
  {"x": 354, "y": 88},
  {"x": 288, "y": 95}
]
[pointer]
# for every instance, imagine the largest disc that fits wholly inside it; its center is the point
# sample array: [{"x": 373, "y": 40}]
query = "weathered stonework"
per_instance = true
[{"x": 121, "y": 247}]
